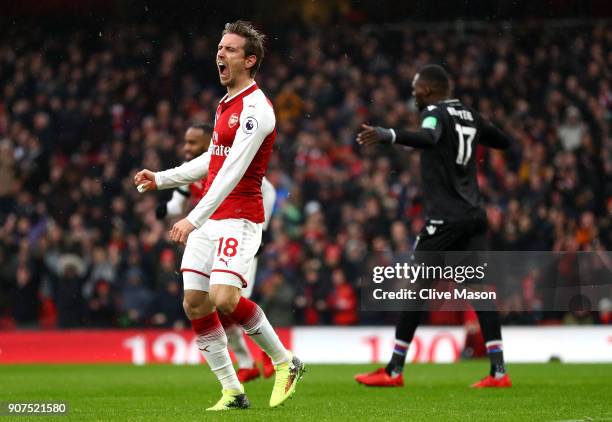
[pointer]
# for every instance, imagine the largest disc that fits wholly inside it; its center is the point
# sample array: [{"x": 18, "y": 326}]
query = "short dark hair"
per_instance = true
[
  {"x": 204, "y": 127},
  {"x": 436, "y": 77},
  {"x": 254, "y": 40}
]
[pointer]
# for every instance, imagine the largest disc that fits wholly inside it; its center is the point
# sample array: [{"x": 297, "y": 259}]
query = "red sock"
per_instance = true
[
  {"x": 206, "y": 323},
  {"x": 252, "y": 319},
  {"x": 226, "y": 320},
  {"x": 247, "y": 314}
]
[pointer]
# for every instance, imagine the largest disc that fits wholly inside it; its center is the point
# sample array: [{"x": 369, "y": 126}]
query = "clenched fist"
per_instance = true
[{"x": 145, "y": 181}]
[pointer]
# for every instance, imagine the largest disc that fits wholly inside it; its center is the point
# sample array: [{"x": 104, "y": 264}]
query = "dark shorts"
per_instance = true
[
  {"x": 465, "y": 235},
  {"x": 456, "y": 243}
]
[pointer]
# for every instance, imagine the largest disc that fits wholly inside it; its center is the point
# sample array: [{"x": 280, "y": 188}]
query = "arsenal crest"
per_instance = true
[{"x": 233, "y": 119}]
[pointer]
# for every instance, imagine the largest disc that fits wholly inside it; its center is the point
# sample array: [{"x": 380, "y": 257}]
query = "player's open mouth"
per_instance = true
[{"x": 223, "y": 70}]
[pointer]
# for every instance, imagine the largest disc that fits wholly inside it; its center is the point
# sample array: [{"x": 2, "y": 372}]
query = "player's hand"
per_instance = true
[
  {"x": 371, "y": 135},
  {"x": 146, "y": 179},
  {"x": 180, "y": 231}
]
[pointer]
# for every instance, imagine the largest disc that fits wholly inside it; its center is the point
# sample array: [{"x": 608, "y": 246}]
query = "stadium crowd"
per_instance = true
[{"x": 80, "y": 112}]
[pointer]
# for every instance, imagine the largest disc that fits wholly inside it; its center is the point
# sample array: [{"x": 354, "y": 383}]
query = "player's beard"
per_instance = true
[{"x": 225, "y": 83}]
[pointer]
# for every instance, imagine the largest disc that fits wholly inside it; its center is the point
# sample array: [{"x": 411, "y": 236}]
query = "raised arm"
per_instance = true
[
  {"x": 186, "y": 173},
  {"x": 426, "y": 137}
]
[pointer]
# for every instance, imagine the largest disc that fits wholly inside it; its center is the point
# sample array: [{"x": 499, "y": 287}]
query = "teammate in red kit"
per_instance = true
[
  {"x": 223, "y": 232},
  {"x": 196, "y": 142}
]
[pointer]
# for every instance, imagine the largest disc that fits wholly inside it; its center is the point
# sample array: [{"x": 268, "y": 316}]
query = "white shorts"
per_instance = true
[
  {"x": 221, "y": 252},
  {"x": 248, "y": 290}
]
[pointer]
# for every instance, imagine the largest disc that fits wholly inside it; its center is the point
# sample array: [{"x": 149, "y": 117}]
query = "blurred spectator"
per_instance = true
[
  {"x": 136, "y": 299},
  {"x": 572, "y": 130},
  {"x": 310, "y": 301},
  {"x": 101, "y": 307},
  {"x": 167, "y": 308},
  {"x": 67, "y": 290},
  {"x": 102, "y": 269},
  {"x": 276, "y": 296},
  {"x": 580, "y": 312},
  {"x": 342, "y": 301},
  {"x": 605, "y": 311},
  {"x": 167, "y": 272},
  {"x": 25, "y": 295}
]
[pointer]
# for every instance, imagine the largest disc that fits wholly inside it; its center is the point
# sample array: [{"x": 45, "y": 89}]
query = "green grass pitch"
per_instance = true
[{"x": 542, "y": 392}]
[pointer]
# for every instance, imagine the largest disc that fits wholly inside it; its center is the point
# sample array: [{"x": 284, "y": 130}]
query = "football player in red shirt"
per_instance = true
[
  {"x": 223, "y": 232},
  {"x": 196, "y": 142}
]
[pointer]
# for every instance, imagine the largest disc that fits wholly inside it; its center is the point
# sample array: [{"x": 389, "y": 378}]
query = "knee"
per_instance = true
[
  {"x": 196, "y": 306},
  {"x": 226, "y": 300},
  {"x": 190, "y": 306}
]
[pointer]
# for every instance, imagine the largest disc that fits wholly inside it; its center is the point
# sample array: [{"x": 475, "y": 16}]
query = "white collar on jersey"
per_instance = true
[{"x": 226, "y": 98}]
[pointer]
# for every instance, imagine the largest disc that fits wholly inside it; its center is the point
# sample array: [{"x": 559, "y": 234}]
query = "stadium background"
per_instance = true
[{"x": 92, "y": 91}]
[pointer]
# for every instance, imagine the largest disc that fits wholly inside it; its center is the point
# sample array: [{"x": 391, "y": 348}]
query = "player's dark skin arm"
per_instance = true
[
  {"x": 424, "y": 139},
  {"x": 490, "y": 136}
]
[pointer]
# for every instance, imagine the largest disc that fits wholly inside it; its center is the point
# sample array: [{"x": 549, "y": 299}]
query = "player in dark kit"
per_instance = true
[{"x": 456, "y": 220}]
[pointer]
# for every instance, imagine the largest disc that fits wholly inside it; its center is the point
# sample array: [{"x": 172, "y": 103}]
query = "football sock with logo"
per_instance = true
[
  {"x": 495, "y": 352},
  {"x": 212, "y": 342},
  {"x": 398, "y": 359},
  {"x": 256, "y": 325},
  {"x": 491, "y": 331},
  {"x": 404, "y": 333}
]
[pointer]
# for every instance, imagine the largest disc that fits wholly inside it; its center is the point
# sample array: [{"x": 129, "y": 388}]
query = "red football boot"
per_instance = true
[
  {"x": 380, "y": 378},
  {"x": 489, "y": 381},
  {"x": 247, "y": 374},
  {"x": 268, "y": 368}
]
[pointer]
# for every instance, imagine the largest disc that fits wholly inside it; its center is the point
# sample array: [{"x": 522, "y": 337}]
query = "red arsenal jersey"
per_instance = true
[
  {"x": 239, "y": 153},
  {"x": 197, "y": 190}
]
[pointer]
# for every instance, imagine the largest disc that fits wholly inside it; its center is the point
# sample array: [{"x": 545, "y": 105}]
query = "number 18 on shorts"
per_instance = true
[{"x": 220, "y": 252}]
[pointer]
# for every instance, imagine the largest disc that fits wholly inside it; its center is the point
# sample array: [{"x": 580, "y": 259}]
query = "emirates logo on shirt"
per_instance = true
[
  {"x": 233, "y": 120},
  {"x": 220, "y": 150}
]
